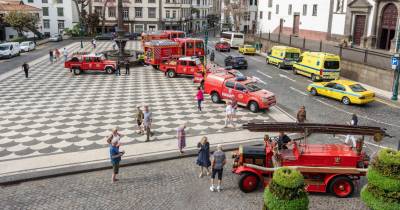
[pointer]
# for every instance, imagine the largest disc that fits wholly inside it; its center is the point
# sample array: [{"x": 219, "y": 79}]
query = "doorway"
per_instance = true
[
  {"x": 388, "y": 26},
  {"x": 359, "y": 26},
  {"x": 296, "y": 24}
]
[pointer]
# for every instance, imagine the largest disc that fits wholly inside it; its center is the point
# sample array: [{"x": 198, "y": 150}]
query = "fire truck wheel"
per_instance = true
[
  {"x": 346, "y": 101},
  {"x": 253, "y": 106},
  {"x": 76, "y": 71},
  {"x": 248, "y": 182},
  {"x": 314, "y": 92},
  {"x": 215, "y": 97},
  {"x": 171, "y": 73},
  {"x": 341, "y": 186},
  {"x": 109, "y": 70}
]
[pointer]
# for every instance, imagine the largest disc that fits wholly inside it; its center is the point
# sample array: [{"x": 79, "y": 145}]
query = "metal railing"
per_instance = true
[{"x": 371, "y": 57}]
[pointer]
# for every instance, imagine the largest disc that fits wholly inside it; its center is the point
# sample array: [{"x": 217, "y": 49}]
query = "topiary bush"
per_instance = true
[
  {"x": 286, "y": 191},
  {"x": 383, "y": 189}
]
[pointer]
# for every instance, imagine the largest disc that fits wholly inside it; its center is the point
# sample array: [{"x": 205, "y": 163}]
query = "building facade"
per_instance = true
[
  {"x": 200, "y": 11},
  {"x": 56, "y": 15},
  {"x": 176, "y": 15}
]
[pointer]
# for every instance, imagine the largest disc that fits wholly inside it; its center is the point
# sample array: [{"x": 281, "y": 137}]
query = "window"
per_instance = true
[
  {"x": 30, "y": 1},
  {"x": 46, "y": 23},
  {"x": 45, "y": 1},
  {"x": 269, "y": 3},
  {"x": 183, "y": 63},
  {"x": 152, "y": 12},
  {"x": 152, "y": 27},
  {"x": 340, "y": 87},
  {"x": 173, "y": 14},
  {"x": 230, "y": 84},
  {"x": 339, "y": 6},
  {"x": 59, "y": 1},
  {"x": 304, "y": 9},
  {"x": 314, "y": 10},
  {"x": 139, "y": 28},
  {"x": 125, "y": 13},
  {"x": 60, "y": 24},
  {"x": 331, "y": 65},
  {"x": 189, "y": 45},
  {"x": 277, "y": 9},
  {"x": 97, "y": 0},
  {"x": 199, "y": 45},
  {"x": 45, "y": 11},
  {"x": 289, "y": 9},
  {"x": 167, "y": 13},
  {"x": 60, "y": 11},
  {"x": 251, "y": 2},
  {"x": 192, "y": 63},
  {"x": 98, "y": 10},
  {"x": 330, "y": 85},
  {"x": 111, "y": 11},
  {"x": 240, "y": 87},
  {"x": 138, "y": 12},
  {"x": 261, "y": 14},
  {"x": 255, "y": 2},
  {"x": 269, "y": 15},
  {"x": 357, "y": 88},
  {"x": 152, "y": 1},
  {"x": 138, "y": 1}
]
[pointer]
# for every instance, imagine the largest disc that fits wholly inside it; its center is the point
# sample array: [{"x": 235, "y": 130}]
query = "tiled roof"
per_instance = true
[{"x": 13, "y": 5}]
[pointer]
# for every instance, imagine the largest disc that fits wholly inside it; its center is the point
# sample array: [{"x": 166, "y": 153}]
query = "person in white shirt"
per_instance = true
[
  {"x": 65, "y": 53},
  {"x": 229, "y": 115}
]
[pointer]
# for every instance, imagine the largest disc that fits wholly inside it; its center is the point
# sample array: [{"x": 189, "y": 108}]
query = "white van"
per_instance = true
[
  {"x": 9, "y": 49},
  {"x": 27, "y": 46}
]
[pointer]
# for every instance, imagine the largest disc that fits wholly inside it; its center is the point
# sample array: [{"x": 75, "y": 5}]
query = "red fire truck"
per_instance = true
[
  {"x": 329, "y": 168},
  {"x": 183, "y": 66},
  {"x": 158, "y": 51},
  {"x": 153, "y": 35},
  {"x": 191, "y": 47},
  {"x": 82, "y": 62}
]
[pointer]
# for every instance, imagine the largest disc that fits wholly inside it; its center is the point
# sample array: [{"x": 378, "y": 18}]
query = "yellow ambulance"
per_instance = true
[
  {"x": 283, "y": 56},
  {"x": 318, "y": 66}
]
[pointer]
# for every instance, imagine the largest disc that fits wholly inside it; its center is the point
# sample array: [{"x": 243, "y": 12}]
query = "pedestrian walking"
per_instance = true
[
  {"x": 57, "y": 54},
  {"x": 94, "y": 43},
  {"x": 203, "y": 158},
  {"x": 181, "y": 138},
  {"x": 354, "y": 122},
  {"x": 65, "y": 54},
  {"x": 127, "y": 70},
  {"x": 234, "y": 109},
  {"x": 114, "y": 136},
  {"x": 217, "y": 167},
  {"x": 301, "y": 115},
  {"x": 25, "y": 68},
  {"x": 199, "y": 98},
  {"x": 51, "y": 56},
  {"x": 115, "y": 156},
  {"x": 147, "y": 120},
  {"x": 139, "y": 119},
  {"x": 228, "y": 115},
  {"x": 118, "y": 68}
]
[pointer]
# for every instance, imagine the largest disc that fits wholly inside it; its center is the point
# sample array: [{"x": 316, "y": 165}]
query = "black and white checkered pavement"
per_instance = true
[{"x": 54, "y": 111}]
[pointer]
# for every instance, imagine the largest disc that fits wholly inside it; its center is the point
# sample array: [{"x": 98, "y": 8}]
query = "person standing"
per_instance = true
[
  {"x": 228, "y": 115},
  {"x": 353, "y": 122},
  {"x": 181, "y": 138},
  {"x": 139, "y": 119},
  {"x": 234, "y": 108},
  {"x": 212, "y": 56},
  {"x": 203, "y": 158},
  {"x": 147, "y": 120},
  {"x": 127, "y": 70},
  {"x": 57, "y": 54},
  {"x": 200, "y": 98},
  {"x": 65, "y": 53},
  {"x": 25, "y": 67},
  {"x": 115, "y": 156},
  {"x": 217, "y": 166},
  {"x": 94, "y": 43},
  {"x": 118, "y": 68},
  {"x": 301, "y": 115},
  {"x": 51, "y": 56}
]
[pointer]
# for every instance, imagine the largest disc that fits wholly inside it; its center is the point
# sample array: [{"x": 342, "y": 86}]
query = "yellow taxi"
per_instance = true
[
  {"x": 247, "y": 49},
  {"x": 348, "y": 92}
]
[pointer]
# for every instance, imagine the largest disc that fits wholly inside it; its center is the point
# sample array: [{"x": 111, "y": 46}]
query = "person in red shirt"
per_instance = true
[{"x": 199, "y": 97}]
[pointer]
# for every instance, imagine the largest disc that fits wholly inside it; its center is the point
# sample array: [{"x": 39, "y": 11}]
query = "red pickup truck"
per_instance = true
[
  {"x": 183, "y": 65},
  {"x": 90, "y": 62},
  {"x": 246, "y": 90}
]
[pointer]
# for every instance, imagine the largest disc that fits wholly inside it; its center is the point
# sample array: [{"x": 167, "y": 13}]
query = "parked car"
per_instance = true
[
  {"x": 237, "y": 62},
  {"x": 105, "y": 36},
  {"x": 55, "y": 38},
  {"x": 27, "y": 46},
  {"x": 9, "y": 49},
  {"x": 222, "y": 46}
]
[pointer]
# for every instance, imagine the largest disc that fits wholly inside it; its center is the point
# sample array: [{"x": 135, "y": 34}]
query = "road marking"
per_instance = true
[
  {"x": 284, "y": 112},
  {"x": 299, "y": 91},
  {"x": 386, "y": 103},
  {"x": 264, "y": 74},
  {"x": 254, "y": 59},
  {"x": 259, "y": 80},
  {"x": 350, "y": 113},
  {"x": 286, "y": 77}
]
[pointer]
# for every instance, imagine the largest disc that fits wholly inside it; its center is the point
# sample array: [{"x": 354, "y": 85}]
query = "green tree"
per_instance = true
[
  {"x": 22, "y": 21},
  {"x": 286, "y": 191},
  {"x": 93, "y": 21},
  {"x": 383, "y": 189}
]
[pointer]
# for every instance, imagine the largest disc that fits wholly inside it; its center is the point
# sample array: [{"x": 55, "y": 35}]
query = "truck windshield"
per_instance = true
[
  {"x": 181, "y": 35},
  {"x": 4, "y": 47},
  {"x": 252, "y": 87},
  {"x": 292, "y": 56},
  {"x": 331, "y": 64},
  {"x": 357, "y": 88}
]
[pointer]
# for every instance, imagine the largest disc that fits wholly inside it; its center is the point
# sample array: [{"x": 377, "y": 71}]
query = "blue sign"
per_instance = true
[{"x": 395, "y": 61}]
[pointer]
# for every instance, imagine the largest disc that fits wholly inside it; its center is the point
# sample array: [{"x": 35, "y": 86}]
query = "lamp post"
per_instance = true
[{"x": 205, "y": 45}]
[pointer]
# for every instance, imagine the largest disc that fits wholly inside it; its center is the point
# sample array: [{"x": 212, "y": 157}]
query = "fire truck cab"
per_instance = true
[
  {"x": 183, "y": 66},
  {"x": 223, "y": 86}
]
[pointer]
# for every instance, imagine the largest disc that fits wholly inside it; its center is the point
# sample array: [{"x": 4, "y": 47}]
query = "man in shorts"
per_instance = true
[
  {"x": 217, "y": 165},
  {"x": 139, "y": 119},
  {"x": 115, "y": 156}
]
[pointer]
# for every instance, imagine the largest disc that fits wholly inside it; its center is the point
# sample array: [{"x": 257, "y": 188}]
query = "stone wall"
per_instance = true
[{"x": 376, "y": 77}]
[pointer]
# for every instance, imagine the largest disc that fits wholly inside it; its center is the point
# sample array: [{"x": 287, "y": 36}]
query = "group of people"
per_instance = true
[
  {"x": 120, "y": 64},
  {"x": 144, "y": 120},
  {"x": 55, "y": 54},
  {"x": 230, "y": 113}
]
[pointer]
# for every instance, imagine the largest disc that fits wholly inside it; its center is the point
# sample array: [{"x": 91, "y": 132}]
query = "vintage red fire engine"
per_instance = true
[
  {"x": 246, "y": 90},
  {"x": 183, "y": 66},
  {"x": 158, "y": 51},
  {"x": 326, "y": 167},
  {"x": 81, "y": 62}
]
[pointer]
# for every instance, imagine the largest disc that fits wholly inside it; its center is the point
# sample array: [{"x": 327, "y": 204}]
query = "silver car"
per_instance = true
[{"x": 55, "y": 38}]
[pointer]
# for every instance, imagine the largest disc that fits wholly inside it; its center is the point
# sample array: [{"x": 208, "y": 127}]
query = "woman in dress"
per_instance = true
[
  {"x": 181, "y": 138},
  {"x": 203, "y": 159}
]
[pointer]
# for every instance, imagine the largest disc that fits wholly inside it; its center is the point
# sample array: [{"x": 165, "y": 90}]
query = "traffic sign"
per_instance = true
[{"x": 395, "y": 61}]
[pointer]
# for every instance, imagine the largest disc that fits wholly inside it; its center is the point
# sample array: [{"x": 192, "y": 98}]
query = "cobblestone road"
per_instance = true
[{"x": 164, "y": 185}]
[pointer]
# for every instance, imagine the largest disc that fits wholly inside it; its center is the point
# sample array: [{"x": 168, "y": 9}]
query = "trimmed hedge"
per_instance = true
[
  {"x": 287, "y": 193},
  {"x": 388, "y": 170},
  {"x": 384, "y": 182},
  {"x": 272, "y": 202},
  {"x": 288, "y": 178},
  {"x": 377, "y": 203},
  {"x": 389, "y": 157}
]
